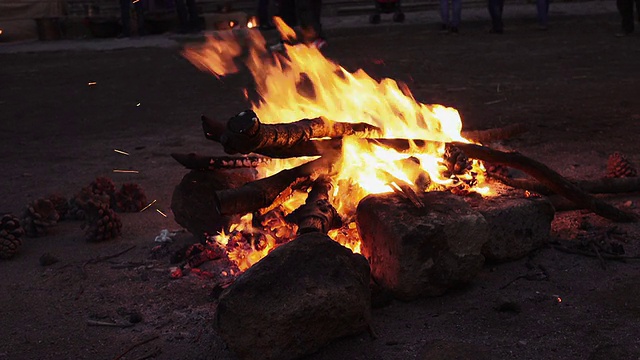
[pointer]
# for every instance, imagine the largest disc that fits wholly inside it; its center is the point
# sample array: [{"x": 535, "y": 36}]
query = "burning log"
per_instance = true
[
  {"x": 549, "y": 178},
  {"x": 490, "y": 135},
  {"x": 317, "y": 214},
  {"x": 402, "y": 188},
  {"x": 194, "y": 161},
  {"x": 537, "y": 170},
  {"x": 261, "y": 193},
  {"x": 598, "y": 186},
  {"x": 245, "y": 133}
]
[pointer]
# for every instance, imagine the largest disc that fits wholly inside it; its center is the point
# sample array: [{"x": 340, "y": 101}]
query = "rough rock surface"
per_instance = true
[
  {"x": 517, "y": 225},
  {"x": 193, "y": 203},
  {"x": 421, "y": 252},
  {"x": 297, "y": 299}
]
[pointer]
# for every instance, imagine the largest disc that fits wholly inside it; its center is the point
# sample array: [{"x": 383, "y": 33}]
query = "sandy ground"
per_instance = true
[{"x": 575, "y": 85}]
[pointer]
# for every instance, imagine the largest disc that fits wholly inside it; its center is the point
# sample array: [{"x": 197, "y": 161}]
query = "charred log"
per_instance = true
[
  {"x": 261, "y": 193},
  {"x": 598, "y": 186},
  {"x": 491, "y": 135},
  {"x": 549, "y": 178},
  {"x": 194, "y": 161},
  {"x": 317, "y": 214},
  {"x": 245, "y": 133}
]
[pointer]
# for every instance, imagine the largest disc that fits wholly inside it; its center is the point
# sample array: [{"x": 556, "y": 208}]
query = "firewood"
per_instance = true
[
  {"x": 200, "y": 162},
  {"x": 316, "y": 214},
  {"x": 549, "y": 178},
  {"x": 245, "y": 133},
  {"x": 491, "y": 135},
  {"x": 597, "y": 186},
  {"x": 261, "y": 193}
]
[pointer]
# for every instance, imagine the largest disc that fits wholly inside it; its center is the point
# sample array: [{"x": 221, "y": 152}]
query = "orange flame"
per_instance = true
[{"x": 305, "y": 84}]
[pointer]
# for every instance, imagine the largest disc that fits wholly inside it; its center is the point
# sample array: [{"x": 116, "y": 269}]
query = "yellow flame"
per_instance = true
[
  {"x": 252, "y": 22},
  {"x": 305, "y": 84}
]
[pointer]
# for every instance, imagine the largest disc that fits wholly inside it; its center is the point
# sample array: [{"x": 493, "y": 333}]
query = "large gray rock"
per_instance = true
[
  {"x": 421, "y": 252},
  {"x": 517, "y": 225},
  {"x": 193, "y": 202},
  {"x": 300, "y": 297}
]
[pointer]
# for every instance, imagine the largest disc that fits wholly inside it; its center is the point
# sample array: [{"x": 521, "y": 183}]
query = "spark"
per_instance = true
[
  {"x": 126, "y": 171},
  {"x": 91, "y": 83},
  {"x": 135, "y": 1},
  {"x": 138, "y": 104},
  {"x": 121, "y": 152},
  {"x": 161, "y": 213},
  {"x": 149, "y": 205},
  {"x": 0, "y": 31}
]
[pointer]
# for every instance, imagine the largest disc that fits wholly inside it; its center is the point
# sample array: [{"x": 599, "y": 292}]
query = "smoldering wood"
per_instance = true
[
  {"x": 402, "y": 188},
  {"x": 195, "y": 161},
  {"x": 245, "y": 133},
  {"x": 596, "y": 186},
  {"x": 261, "y": 193},
  {"x": 495, "y": 134},
  {"x": 316, "y": 214},
  {"x": 549, "y": 178}
]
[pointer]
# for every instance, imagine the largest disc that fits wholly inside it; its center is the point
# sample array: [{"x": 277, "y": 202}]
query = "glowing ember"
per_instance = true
[
  {"x": 305, "y": 84},
  {"x": 252, "y": 22},
  {"x": 148, "y": 206},
  {"x": 121, "y": 152}
]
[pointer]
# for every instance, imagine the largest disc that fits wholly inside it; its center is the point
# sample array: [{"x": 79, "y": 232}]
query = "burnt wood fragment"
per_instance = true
[
  {"x": 194, "y": 161},
  {"x": 261, "y": 193},
  {"x": 316, "y": 214}
]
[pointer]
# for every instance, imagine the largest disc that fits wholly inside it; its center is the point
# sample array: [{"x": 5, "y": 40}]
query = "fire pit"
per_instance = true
[{"x": 326, "y": 151}]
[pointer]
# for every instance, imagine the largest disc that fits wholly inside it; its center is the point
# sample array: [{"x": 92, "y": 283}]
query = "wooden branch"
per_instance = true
[
  {"x": 245, "y": 133},
  {"x": 597, "y": 186},
  {"x": 549, "y": 178},
  {"x": 317, "y": 214},
  {"x": 490, "y": 135},
  {"x": 261, "y": 193},
  {"x": 402, "y": 188},
  {"x": 199, "y": 162},
  {"x": 135, "y": 346}
]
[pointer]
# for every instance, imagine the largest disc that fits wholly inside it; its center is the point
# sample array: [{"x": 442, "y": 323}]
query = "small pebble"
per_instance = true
[{"x": 47, "y": 259}]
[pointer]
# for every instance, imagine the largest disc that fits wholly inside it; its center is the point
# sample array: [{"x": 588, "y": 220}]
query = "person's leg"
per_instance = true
[
  {"x": 138, "y": 6},
  {"x": 456, "y": 13},
  {"x": 625, "y": 7},
  {"x": 125, "y": 17},
  {"x": 308, "y": 19},
  {"x": 194, "y": 17},
  {"x": 495, "y": 11},
  {"x": 543, "y": 12},
  {"x": 183, "y": 17},
  {"x": 444, "y": 13}
]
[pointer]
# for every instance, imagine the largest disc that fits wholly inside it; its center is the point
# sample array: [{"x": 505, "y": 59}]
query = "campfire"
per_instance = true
[{"x": 321, "y": 139}]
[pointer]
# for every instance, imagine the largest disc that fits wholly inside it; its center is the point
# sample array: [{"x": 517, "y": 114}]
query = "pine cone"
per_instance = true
[
  {"x": 10, "y": 236},
  {"x": 130, "y": 198},
  {"x": 101, "y": 223},
  {"x": 618, "y": 167},
  {"x": 78, "y": 203},
  {"x": 456, "y": 161},
  {"x": 60, "y": 203},
  {"x": 497, "y": 169},
  {"x": 38, "y": 217},
  {"x": 103, "y": 186}
]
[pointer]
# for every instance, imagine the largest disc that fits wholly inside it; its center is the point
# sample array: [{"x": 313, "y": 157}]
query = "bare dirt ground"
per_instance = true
[{"x": 575, "y": 85}]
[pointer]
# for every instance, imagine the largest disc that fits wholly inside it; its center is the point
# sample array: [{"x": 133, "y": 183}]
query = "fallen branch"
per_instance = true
[
  {"x": 490, "y": 135},
  {"x": 199, "y": 162},
  {"x": 621, "y": 258},
  {"x": 135, "y": 346},
  {"x": 547, "y": 177},
  {"x": 261, "y": 193},
  {"x": 598, "y": 186},
  {"x": 103, "y": 258},
  {"x": 316, "y": 214},
  {"x": 245, "y": 133},
  {"x": 108, "y": 324}
]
